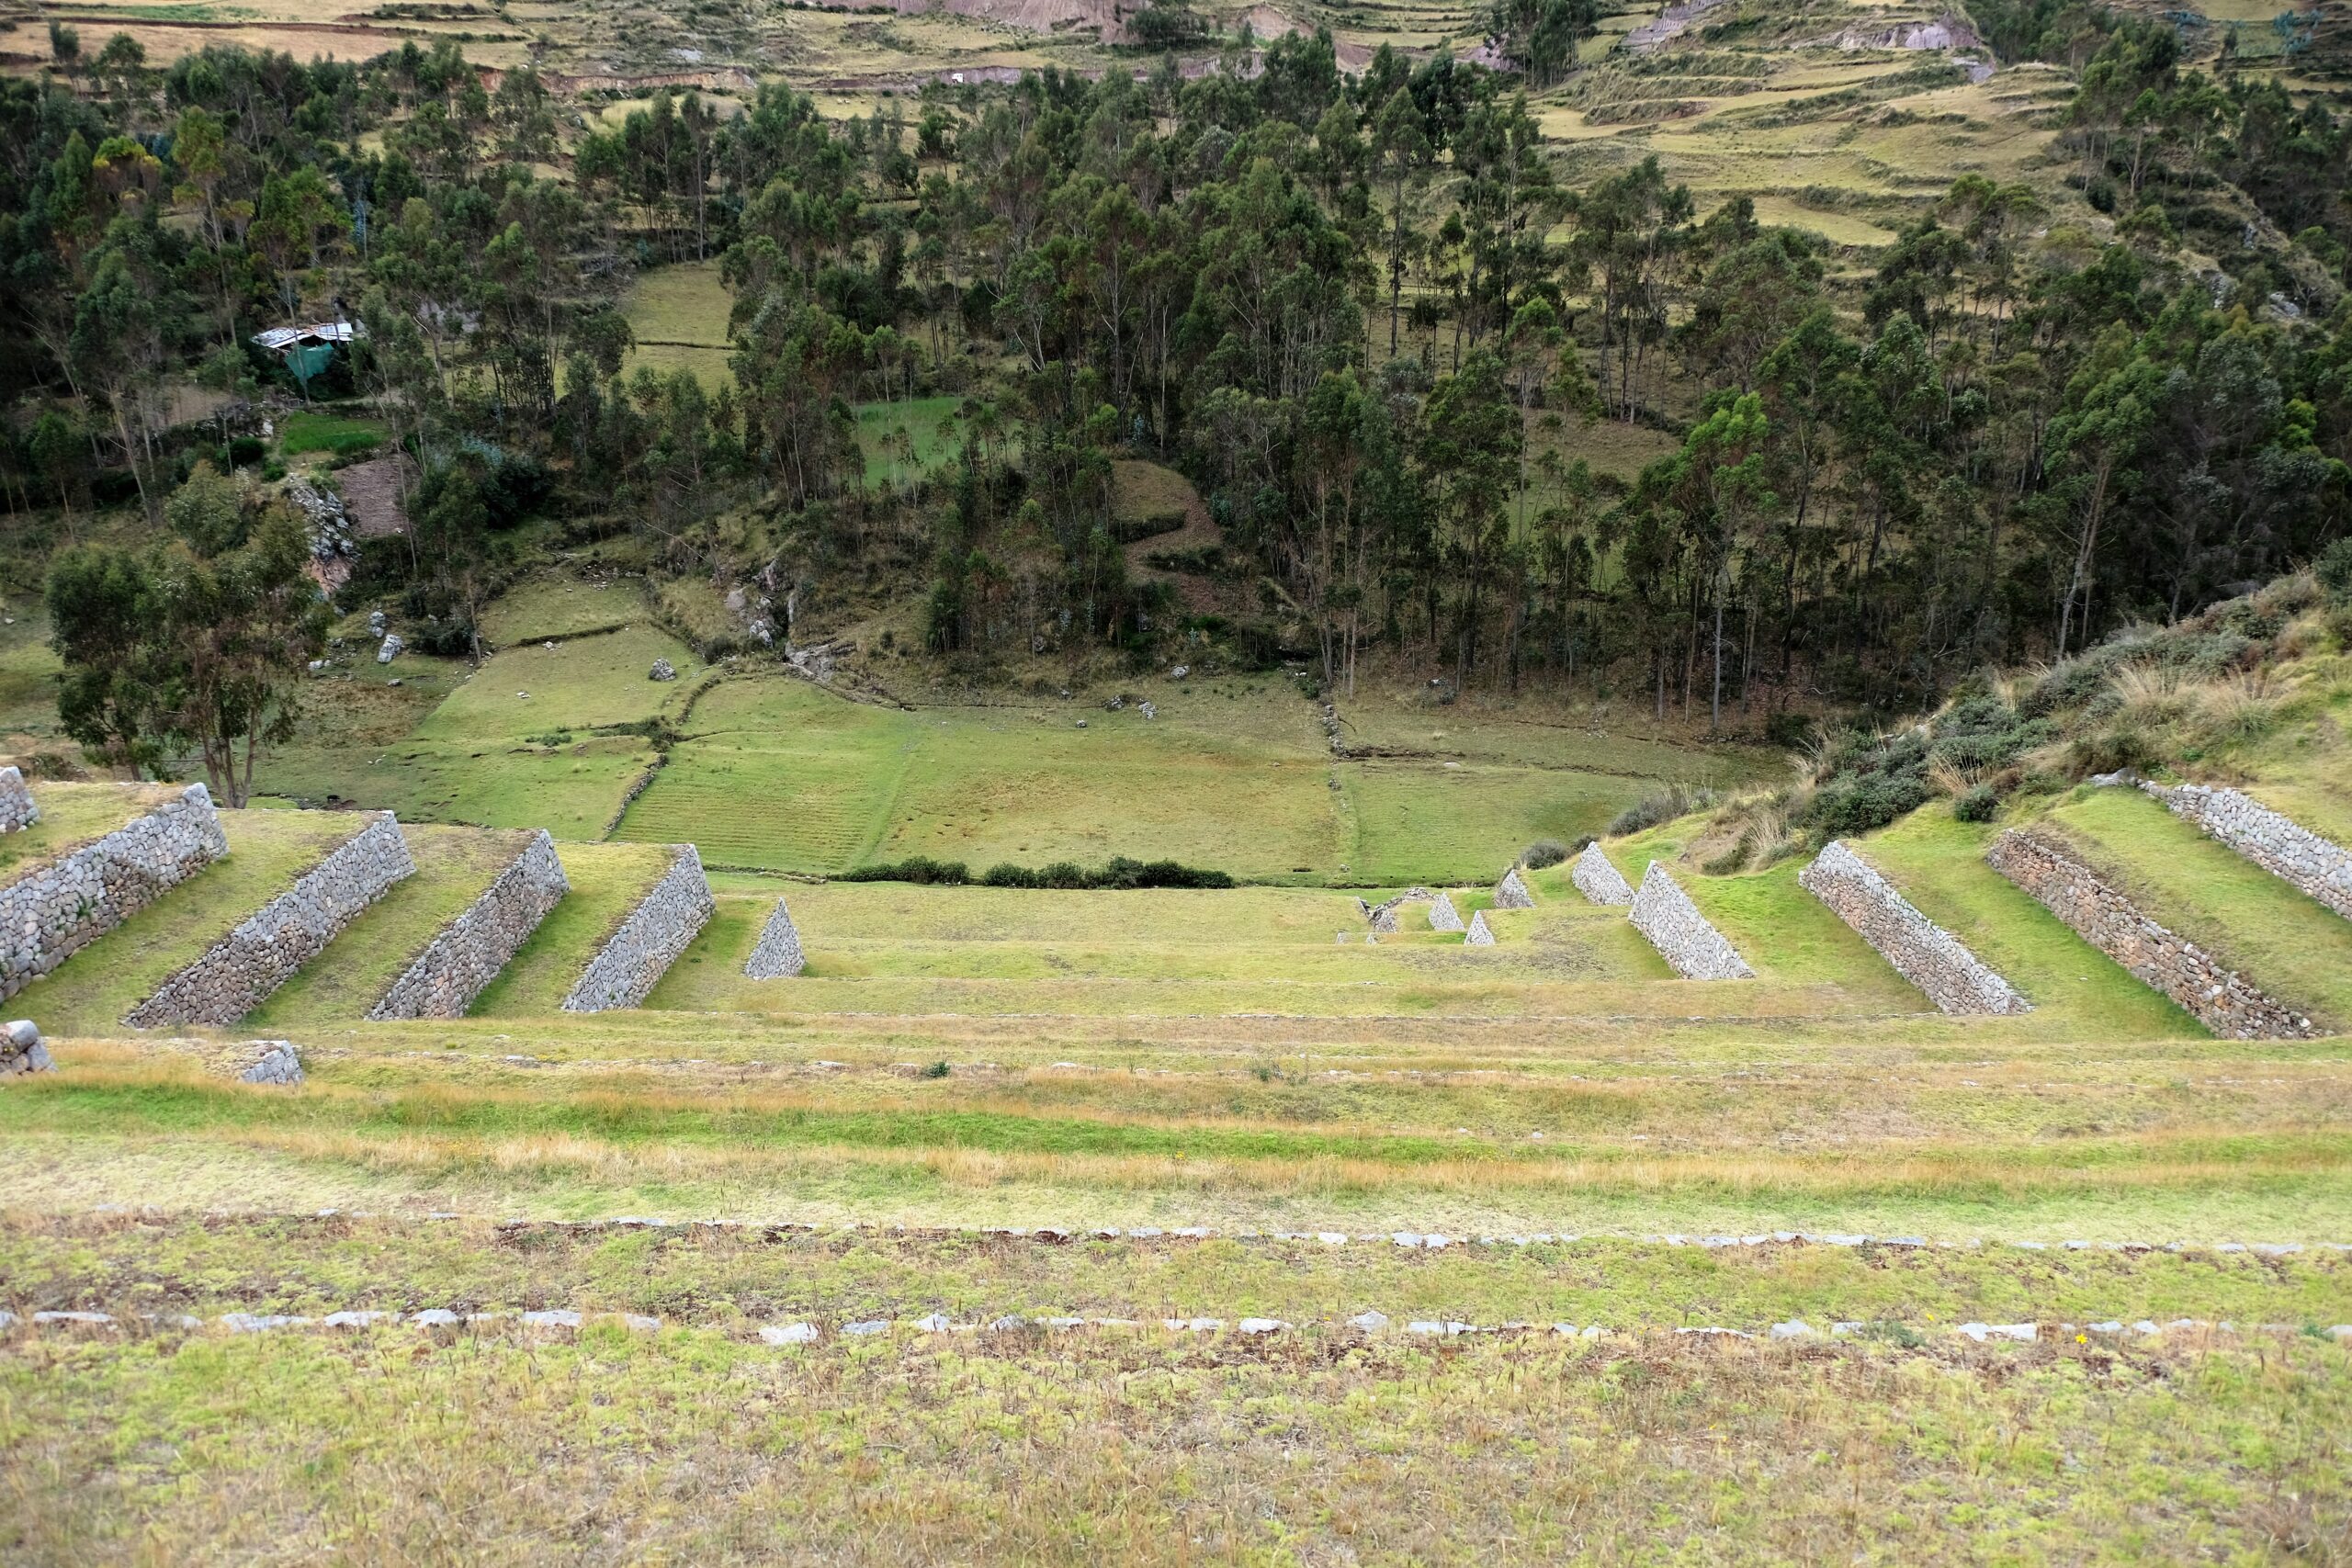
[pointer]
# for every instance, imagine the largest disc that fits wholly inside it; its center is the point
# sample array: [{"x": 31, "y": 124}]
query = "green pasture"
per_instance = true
[
  {"x": 556, "y": 604},
  {"x": 778, "y": 774},
  {"x": 337, "y": 435},
  {"x": 573, "y": 788},
  {"x": 28, "y": 669},
  {"x": 587, "y": 683},
  {"x": 71, "y": 816}
]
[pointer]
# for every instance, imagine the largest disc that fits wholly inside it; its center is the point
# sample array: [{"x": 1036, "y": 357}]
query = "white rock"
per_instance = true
[
  {"x": 1370, "y": 1321},
  {"x": 1262, "y": 1326},
  {"x": 789, "y": 1333}
]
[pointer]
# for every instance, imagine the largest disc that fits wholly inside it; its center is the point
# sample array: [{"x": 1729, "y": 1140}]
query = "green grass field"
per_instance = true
[
  {"x": 904, "y": 440},
  {"x": 587, "y": 683}
]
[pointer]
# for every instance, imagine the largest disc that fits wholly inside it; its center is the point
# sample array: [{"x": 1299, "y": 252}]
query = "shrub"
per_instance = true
[
  {"x": 937, "y": 1070},
  {"x": 1860, "y": 805},
  {"x": 1661, "y": 805},
  {"x": 1543, "y": 853},
  {"x": 1117, "y": 874},
  {"x": 1978, "y": 805},
  {"x": 2333, "y": 570},
  {"x": 1791, "y": 731},
  {"x": 919, "y": 869}
]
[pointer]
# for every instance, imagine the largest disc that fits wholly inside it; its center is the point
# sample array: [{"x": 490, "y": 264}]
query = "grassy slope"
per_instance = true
[
  {"x": 556, "y": 604},
  {"x": 607, "y": 881},
  {"x": 2282, "y": 940},
  {"x": 1159, "y": 1450},
  {"x": 268, "y": 851},
  {"x": 453, "y": 867}
]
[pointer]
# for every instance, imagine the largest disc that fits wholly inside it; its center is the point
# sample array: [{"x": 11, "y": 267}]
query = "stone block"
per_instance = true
[
  {"x": 16, "y": 807},
  {"x": 1683, "y": 937},
  {"x": 271, "y": 1062},
  {"x": 21, "y": 1049}
]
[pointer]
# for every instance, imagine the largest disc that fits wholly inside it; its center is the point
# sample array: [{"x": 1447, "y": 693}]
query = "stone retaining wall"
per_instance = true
[
  {"x": 1512, "y": 893},
  {"x": 467, "y": 953},
  {"x": 2109, "y": 921},
  {"x": 1478, "y": 936},
  {"x": 1599, "y": 880},
  {"x": 625, "y": 968},
  {"x": 1920, "y": 950},
  {"x": 55, "y": 910},
  {"x": 1444, "y": 917},
  {"x": 2278, "y": 844},
  {"x": 1664, "y": 913},
  {"x": 16, "y": 807},
  {"x": 236, "y": 974},
  {"x": 778, "y": 956}
]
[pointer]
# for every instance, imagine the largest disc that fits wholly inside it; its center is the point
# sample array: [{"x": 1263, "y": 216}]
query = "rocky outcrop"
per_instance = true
[
  {"x": 628, "y": 966},
  {"x": 59, "y": 907},
  {"x": 2288, "y": 852},
  {"x": 16, "y": 807},
  {"x": 778, "y": 956},
  {"x": 1512, "y": 893},
  {"x": 467, "y": 953},
  {"x": 1478, "y": 936},
  {"x": 273, "y": 1062},
  {"x": 1443, "y": 915},
  {"x": 21, "y": 1049},
  {"x": 2107, "y": 919},
  {"x": 1664, "y": 913},
  {"x": 235, "y": 974},
  {"x": 1598, "y": 880},
  {"x": 1914, "y": 946}
]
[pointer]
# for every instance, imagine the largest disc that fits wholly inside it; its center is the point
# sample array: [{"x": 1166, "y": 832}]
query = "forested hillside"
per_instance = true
[{"x": 1366, "y": 313}]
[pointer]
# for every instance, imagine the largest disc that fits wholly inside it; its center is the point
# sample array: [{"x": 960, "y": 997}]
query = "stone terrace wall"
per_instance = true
[
  {"x": 55, "y": 910},
  {"x": 1920, "y": 950},
  {"x": 1664, "y": 913},
  {"x": 625, "y": 968},
  {"x": 2292, "y": 854},
  {"x": 237, "y": 973},
  {"x": 1443, "y": 916},
  {"x": 1598, "y": 880},
  {"x": 16, "y": 807},
  {"x": 467, "y": 955},
  {"x": 778, "y": 956},
  {"x": 1512, "y": 893},
  {"x": 1478, "y": 936},
  {"x": 2109, "y": 921}
]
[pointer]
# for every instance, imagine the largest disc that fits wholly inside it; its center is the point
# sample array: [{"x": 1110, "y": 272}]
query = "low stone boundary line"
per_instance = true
[
  {"x": 1664, "y": 913},
  {"x": 664, "y": 923},
  {"x": 51, "y": 912},
  {"x": 1365, "y": 1324},
  {"x": 1430, "y": 1241},
  {"x": 1597, "y": 879},
  {"x": 1917, "y": 948},
  {"x": 236, "y": 974},
  {"x": 467, "y": 955},
  {"x": 16, "y": 807},
  {"x": 777, "y": 954},
  {"x": 2279, "y": 845},
  {"x": 2105, "y": 916}
]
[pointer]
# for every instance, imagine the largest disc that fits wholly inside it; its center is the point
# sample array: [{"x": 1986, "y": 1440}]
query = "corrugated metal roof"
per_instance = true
[{"x": 282, "y": 338}]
